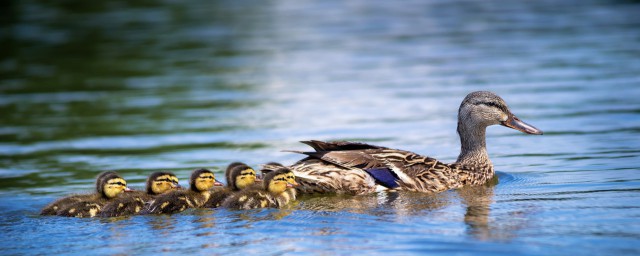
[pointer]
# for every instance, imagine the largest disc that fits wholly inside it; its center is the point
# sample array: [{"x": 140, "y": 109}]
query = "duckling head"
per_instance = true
[
  {"x": 227, "y": 172},
  {"x": 160, "y": 182},
  {"x": 100, "y": 179},
  {"x": 113, "y": 185},
  {"x": 241, "y": 177},
  {"x": 481, "y": 109},
  {"x": 202, "y": 180},
  {"x": 276, "y": 181}
]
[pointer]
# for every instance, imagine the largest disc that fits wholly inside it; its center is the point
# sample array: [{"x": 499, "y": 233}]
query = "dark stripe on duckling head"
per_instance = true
[
  {"x": 227, "y": 172},
  {"x": 195, "y": 175},
  {"x": 102, "y": 179},
  {"x": 384, "y": 177},
  {"x": 240, "y": 170},
  {"x": 270, "y": 175},
  {"x": 154, "y": 177}
]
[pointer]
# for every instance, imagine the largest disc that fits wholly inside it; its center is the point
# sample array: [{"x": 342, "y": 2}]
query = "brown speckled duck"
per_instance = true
[
  {"x": 239, "y": 176},
  {"x": 358, "y": 168},
  {"x": 200, "y": 183},
  {"x": 271, "y": 194},
  {"x": 133, "y": 202},
  {"x": 109, "y": 185}
]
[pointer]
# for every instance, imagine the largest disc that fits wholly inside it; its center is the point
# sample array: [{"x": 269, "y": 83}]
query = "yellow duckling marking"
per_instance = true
[
  {"x": 163, "y": 205},
  {"x": 72, "y": 210},
  {"x": 242, "y": 199},
  {"x": 55, "y": 207},
  {"x": 93, "y": 212},
  {"x": 264, "y": 203},
  {"x": 120, "y": 205},
  {"x": 137, "y": 209}
]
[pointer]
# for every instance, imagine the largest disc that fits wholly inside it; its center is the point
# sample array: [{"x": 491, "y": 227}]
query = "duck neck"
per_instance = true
[{"x": 473, "y": 151}]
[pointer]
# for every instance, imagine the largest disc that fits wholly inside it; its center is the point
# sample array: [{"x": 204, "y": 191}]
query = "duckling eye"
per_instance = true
[
  {"x": 164, "y": 180},
  {"x": 281, "y": 179},
  {"x": 117, "y": 183}
]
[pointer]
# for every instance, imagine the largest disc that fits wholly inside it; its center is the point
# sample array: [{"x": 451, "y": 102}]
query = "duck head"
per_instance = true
[
  {"x": 227, "y": 172},
  {"x": 276, "y": 182},
  {"x": 202, "y": 180},
  {"x": 111, "y": 185},
  {"x": 481, "y": 109},
  {"x": 161, "y": 182},
  {"x": 241, "y": 177}
]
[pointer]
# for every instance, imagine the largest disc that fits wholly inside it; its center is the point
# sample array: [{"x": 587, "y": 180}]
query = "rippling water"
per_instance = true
[{"x": 142, "y": 86}]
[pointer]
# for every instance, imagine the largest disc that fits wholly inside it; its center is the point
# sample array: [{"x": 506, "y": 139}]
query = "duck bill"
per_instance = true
[
  {"x": 217, "y": 184},
  {"x": 176, "y": 186},
  {"x": 127, "y": 189},
  {"x": 289, "y": 185},
  {"x": 515, "y": 123}
]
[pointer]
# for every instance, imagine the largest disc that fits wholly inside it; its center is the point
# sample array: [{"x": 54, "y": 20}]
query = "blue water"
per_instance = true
[{"x": 138, "y": 87}]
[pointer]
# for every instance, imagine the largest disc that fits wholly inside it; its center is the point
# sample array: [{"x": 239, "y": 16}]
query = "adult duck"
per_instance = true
[{"x": 357, "y": 168}]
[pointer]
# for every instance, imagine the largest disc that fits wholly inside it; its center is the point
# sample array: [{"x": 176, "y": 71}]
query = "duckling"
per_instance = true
[
  {"x": 272, "y": 193},
  {"x": 239, "y": 176},
  {"x": 291, "y": 177},
  {"x": 201, "y": 181},
  {"x": 110, "y": 186},
  {"x": 132, "y": 202},
  {"x": 52, "y": 208}
]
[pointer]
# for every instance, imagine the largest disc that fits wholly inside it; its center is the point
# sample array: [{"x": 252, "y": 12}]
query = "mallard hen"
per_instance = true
[{"x": 359, "y": 168}]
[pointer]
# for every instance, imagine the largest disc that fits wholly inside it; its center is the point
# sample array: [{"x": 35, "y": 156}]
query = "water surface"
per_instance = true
[{"x": 144, "y": 86}]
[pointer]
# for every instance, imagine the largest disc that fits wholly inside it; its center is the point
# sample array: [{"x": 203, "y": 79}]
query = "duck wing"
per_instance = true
[{"x": 390, "y": 168}]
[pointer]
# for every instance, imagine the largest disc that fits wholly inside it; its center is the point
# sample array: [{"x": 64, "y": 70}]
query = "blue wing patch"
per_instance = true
[{"x": 384, "y": 177}]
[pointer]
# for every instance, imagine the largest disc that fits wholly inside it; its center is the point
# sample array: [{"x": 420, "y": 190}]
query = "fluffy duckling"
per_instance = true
[
  {"x": 201, "y": 181},
  {"x": 109, "y": 187},
  {"x": 64, "y": 202},
  {"x": 272, "y": 194},
  {"x": 239, "y": 176},
  {"x": 133, "y": 202},
  {"x": 291, "y": 177}
]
